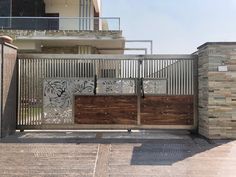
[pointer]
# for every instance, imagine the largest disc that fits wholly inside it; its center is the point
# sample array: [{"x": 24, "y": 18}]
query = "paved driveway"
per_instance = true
[{"x": 116, "y": 154}]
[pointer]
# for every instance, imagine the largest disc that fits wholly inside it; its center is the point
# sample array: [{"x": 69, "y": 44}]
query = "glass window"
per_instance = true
[{"x": 5, "y": 8}]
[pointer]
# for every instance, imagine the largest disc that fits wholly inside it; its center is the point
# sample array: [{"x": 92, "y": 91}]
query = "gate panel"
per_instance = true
[
  {"x": 167, "y": 110},
  {"x": 99, "y": 109},
  {"x": 61, "y": 91},
  {"x": 167, "y": 92}
]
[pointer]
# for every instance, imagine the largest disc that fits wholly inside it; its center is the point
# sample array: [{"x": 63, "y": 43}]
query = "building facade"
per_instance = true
[
  {"x": 191, "y": 92},
  {"x": 60, "y": 26}
]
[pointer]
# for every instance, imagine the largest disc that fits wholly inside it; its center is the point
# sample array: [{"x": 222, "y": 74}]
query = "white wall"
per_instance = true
[{"x": 65, "y": 8}]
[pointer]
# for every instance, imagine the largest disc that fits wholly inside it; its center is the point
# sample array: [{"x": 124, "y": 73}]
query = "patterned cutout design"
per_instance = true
[
  {"x": 111, "y": 86},
  {"x": 155, "y": 86},
  {"x": 58, "y": 95}
]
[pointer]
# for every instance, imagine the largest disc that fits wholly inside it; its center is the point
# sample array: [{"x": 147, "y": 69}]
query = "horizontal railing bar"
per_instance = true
[
  {"x": 105, "y": 57},
  {"x": 58, "y": 23},
  {"x": 12, "y": 17}
]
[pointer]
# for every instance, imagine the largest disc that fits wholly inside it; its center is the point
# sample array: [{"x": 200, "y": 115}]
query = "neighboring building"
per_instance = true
[{"x": 60, "y": 26}]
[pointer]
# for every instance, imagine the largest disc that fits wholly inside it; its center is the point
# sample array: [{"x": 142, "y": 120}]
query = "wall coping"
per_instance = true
[{"x": 216, "y": 43}]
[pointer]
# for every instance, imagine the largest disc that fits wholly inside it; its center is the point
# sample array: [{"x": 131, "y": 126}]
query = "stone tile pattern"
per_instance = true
[
  {"x": 217, "y": 91},
  {"x": 150, "y": 158},
  {"x": 54, "y": 160},
  {"x": 15, "y": 34},
  {"x": 32, "y": 34}
]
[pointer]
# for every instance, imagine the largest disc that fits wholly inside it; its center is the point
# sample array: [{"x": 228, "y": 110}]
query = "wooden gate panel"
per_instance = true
[
  {"x": 121, "y": 110},
  {"x": 167, "y": 110}
]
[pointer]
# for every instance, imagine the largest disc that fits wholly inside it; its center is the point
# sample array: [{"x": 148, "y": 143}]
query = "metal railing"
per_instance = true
[{"x": 61, "y": 23}]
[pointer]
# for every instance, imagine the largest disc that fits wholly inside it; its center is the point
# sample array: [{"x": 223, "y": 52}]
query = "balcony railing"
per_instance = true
[{"x": 61, "y": 23}]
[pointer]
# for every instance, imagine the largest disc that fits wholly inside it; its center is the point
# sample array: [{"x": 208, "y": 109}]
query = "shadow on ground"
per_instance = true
[{"x": 166, "y": 152}]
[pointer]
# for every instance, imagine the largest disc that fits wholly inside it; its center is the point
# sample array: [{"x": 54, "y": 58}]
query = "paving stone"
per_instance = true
[{"x": 31, "y": 155}]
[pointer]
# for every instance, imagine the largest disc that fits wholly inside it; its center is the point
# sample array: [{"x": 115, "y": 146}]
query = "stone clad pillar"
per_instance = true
[{"x": 217, "y": 90}]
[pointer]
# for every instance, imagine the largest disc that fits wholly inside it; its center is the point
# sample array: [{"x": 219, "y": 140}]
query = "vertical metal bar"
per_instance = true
[
  {"x": 123, "y": 68},
  {"x": 18, "y": 93},
  {"x": 28, "y": 91},
  {"x": 73, "y": 67},
  {"x": 195, "y": 82},
  {"x": 24, "y": 93},
  {"x": 156, "y": 68},
  {"x": 175, "y": 77},
  {"x": 58, "y": 67},
  {"x": 184, "y": 77},
  {"x": 169, "y": 85},
  {"x": 166, "y": 76},
  {"x": 133, "y": 69},
  {"x": 68, "y": 68},
  {"x": 21, "y": 91},
  {"x": 36, "y": 90},
  {"x": 64, "y": 65},
  {"x": 169, "y": 77},
  {"x": 88, "y": 69},
  {"x": 32, "y": 92},
  {"x": 189, "y": 77},
  {"x": 39, "y": 94},
  {"x": 192, "y": 77},
  {"x": 181, "y": 77},
  {"x": 182, "y": 69},
  {"x": 84, "y": 68},
  {"x": 62, "y": 68},
  {"x": 178, "y": 69},
  {"x": 69, "y": 65},
  {"x": 40, "y": 82},
  {"x": 62, "y": 71},
  {"x": 140, "y": 63}
]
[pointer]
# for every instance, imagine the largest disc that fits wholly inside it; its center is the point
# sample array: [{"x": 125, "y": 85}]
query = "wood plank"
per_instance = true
[
  {"x": 106, "y": 110},
  {"x": 167, "y": 110}
]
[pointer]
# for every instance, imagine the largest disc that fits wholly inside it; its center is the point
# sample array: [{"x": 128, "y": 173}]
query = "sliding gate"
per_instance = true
[{"x": 125, "y": 92}]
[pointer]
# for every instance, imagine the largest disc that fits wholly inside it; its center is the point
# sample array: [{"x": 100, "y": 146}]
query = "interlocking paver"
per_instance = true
[{"x": 82, "y": 155}]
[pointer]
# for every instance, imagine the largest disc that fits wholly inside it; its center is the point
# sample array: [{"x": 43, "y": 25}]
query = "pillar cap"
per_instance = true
[{"x": 6, "y": 39}]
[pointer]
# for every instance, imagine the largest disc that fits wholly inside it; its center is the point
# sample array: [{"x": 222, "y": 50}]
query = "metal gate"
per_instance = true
[{"x": 111, "y": 92}]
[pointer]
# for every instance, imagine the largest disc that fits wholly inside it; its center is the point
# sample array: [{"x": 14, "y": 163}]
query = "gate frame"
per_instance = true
[{"x": 139, "y": 58}]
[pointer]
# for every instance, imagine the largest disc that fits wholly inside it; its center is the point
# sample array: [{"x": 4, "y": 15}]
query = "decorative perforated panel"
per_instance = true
[
  {"x": 58, "y": 95},
  {"x": 155, "y": 86},
  {"x": 111, "y": 86}
]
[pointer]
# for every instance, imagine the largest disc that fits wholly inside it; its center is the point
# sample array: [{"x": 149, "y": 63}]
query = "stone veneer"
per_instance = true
[
  {"x": 20, "y": 34},
  {"x": 217, "y": 90}
]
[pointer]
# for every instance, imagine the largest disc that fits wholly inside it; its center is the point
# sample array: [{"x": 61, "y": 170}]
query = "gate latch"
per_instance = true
[
  {"x": 142, "y": 87},
  {"x": 95, "y": 85}
]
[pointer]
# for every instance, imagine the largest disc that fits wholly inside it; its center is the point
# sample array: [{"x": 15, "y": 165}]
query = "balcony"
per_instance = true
[{"x": 61, "y": 23}]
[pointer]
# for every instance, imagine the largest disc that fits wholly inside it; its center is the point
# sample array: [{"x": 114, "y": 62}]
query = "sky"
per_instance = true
[{"x": 175, "y": 26}]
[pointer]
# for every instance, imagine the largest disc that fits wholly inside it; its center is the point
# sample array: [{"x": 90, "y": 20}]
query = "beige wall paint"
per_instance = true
[
  {"x": 65, "y": 8},
  {"x": 27, "y": 45},
  {"x": 59, "y": 6},
  {"x": 97, "y": 5}
]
